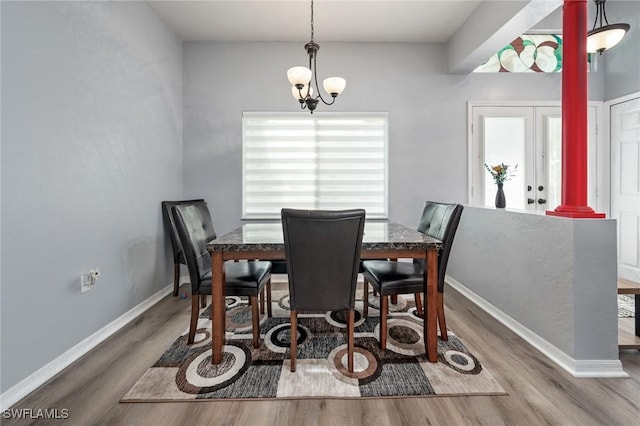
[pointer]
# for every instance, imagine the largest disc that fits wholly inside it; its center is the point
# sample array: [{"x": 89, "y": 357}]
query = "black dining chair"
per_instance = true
[
  {"x": 176, "y": 246},
  {"x": 389, "y": 278},
  {"x": 278, "y": 266},
  {"x": 195, "y": 229},
  {"x": 322, "y": 250}
]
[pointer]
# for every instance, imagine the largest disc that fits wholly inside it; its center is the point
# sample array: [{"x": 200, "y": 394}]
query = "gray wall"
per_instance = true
[
  {"x": 91, "y": 143},
  {"x": 427, "y": 113},
  {"x": 622, "y": 62},
  {"x": 554, "y": 276}
]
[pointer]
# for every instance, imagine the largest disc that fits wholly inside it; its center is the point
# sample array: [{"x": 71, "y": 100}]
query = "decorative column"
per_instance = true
[{"x": 574, "y": 113}]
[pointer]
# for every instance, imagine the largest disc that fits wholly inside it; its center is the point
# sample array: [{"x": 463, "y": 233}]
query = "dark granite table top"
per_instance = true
[{"x": 378, "y": 235}]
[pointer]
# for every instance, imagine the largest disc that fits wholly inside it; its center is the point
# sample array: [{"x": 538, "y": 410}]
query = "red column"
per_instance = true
[{"x": 574, "y": 113}]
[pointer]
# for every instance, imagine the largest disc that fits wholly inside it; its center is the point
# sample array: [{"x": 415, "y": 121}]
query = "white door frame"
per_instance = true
[
  {"x": 607, "y": 105},
  {"x": 602, "y": 145}
]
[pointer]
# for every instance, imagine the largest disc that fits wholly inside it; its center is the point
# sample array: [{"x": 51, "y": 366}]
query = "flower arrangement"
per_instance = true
[{"x": 501, "y": 172}]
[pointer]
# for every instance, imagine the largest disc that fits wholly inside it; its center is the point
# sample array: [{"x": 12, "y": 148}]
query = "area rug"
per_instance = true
[
  {"x": 626, "y": 306},
  {"x": 184, "y": 372}
]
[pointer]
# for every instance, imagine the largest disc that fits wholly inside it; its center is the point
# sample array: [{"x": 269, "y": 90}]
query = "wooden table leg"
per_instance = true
[
  {"x": 217, "y": 307},
  {"x": 431, "y": 299}
]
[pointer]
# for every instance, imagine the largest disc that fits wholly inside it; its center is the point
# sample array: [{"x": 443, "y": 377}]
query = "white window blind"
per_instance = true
[{"x": 329, "y": 161}]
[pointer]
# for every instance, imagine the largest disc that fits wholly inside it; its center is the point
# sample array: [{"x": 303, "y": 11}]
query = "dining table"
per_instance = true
[{"x": 381, "y": 239}]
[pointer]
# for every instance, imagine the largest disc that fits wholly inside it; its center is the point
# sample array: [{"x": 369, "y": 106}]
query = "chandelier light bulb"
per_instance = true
[
  {"x": 605, "y": 37},
  {"x": 334, "y": 85},
  {"x": 299, "y": 76},
  {"x": 300, "y": 95}
]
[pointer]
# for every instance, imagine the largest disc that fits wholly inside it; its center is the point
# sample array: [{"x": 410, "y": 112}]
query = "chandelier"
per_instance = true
[
  {"x": 604, "y": 37},
  {"x": 301, "y": 79}
]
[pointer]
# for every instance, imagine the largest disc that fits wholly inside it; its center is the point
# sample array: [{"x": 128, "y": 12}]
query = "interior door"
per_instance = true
[{"x": 625, "y": 185}]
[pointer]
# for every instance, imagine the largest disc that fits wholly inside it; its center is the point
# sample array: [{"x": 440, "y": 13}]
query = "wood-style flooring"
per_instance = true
[
  {"x": 540, "y": 392},
  {"x": 627, "y": 338}
]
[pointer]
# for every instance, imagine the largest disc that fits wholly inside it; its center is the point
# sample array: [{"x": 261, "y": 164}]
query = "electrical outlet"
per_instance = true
[
  {"x": 94, "y": 274},
  {"x": 85, "y": 283}
]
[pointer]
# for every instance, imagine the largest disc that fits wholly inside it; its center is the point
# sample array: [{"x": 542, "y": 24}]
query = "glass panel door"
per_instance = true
[
  {"x": 502, "y": 136},
  {"x": 549, "y": 133},
  {"x": 553, "y": 135},
  {"x": 531, "y": 138},
  {"x": 504, "y": 143}
]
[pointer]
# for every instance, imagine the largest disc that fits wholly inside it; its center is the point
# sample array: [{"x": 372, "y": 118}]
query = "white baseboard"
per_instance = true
[
  {"x": 577, "y": 368},
  {"x": 38, "y": 378}
]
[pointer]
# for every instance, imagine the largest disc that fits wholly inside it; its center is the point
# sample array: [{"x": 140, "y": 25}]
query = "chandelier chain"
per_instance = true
[
  {"x": 311, "y": 20},
  {"x": 604, "y": 14},
  {"x": 600, "y": 13}
]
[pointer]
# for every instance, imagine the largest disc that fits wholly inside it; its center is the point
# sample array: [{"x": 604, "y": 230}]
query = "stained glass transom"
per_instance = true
[{"x": 527, "y": 53}]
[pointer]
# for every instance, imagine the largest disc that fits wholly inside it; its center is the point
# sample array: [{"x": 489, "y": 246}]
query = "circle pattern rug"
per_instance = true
[{"x": 184, "y": 372}]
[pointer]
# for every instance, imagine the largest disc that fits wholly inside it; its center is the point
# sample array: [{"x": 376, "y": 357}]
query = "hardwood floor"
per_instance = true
[
  {"x": 627, "y": 338},
  {"x": 539, "y": 391}
]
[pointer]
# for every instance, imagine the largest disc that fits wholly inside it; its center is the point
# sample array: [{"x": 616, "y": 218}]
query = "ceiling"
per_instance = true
[
  {"x": 472, "y": 30},
  {"x": 420, "y": 21}
]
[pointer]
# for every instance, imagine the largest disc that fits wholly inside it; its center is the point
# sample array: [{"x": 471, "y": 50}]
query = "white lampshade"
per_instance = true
[
  {"x": 299, "y": 75},
  {"x": 605, "y": 37},
  {"x": 334, "y": 85},
  {"x": 296, "y": 93}
]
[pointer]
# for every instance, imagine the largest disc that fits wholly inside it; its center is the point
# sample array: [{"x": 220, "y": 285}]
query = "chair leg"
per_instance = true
[
  {"x": 262, "y": 302},
  {"x": 419, "y": 309},
  {"x": 176, "y": 278},
  {"x": 294, "y": 340},
  {"x": 195, "y": 311},
  {"x": 384, "y": 309},
  {"x": 365, "y": 299},
  {"x": 441, "y": 321},
  {"x": 350, "y": 340},
  {"x": 269, "y": 313},
  {"x": 203, "y": 300},
  {"x": 255, "y": 320},
  {"x": 394, "y": 297}
]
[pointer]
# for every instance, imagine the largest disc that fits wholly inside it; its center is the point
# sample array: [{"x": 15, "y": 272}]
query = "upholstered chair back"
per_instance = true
[
  {"x": 195, "y": 229},
  {"x": 170, "y": 226},
  {"x": 323, "y": 257},
  {"x": 440, "y": 221}
]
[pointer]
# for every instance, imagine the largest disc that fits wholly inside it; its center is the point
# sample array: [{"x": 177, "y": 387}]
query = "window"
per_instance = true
[
  {"x": 330, "y": 161},
  {"x": 531, "y": 53},
  {"x": 527, "y": 53}
]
